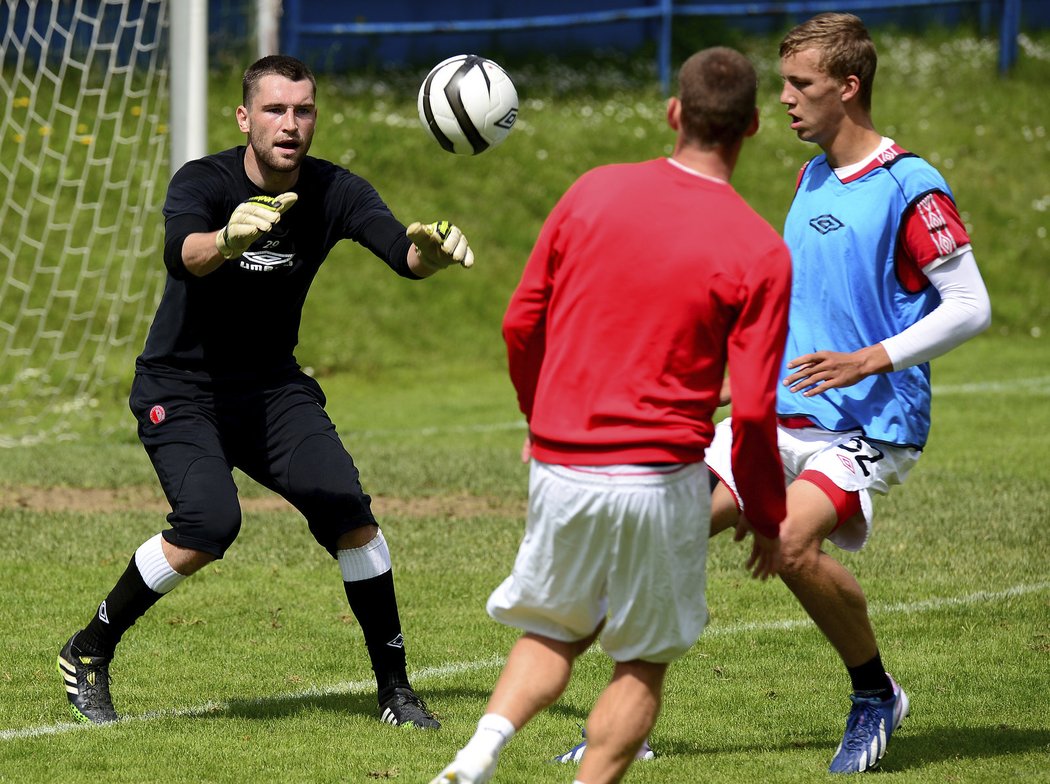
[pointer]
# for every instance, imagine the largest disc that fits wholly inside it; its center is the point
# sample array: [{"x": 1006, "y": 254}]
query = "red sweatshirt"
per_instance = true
[{"x": 645, "y": 279}]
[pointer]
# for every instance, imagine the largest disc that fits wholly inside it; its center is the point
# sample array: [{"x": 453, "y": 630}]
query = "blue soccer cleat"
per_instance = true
[
  {"x": 576, "y": 752},
  {"x": 868, "y": 728}
]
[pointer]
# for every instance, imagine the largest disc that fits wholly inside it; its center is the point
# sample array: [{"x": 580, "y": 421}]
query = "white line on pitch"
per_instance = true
[
  {"x": 429, "y": 673},
  {"x": 211, "y": 708}
]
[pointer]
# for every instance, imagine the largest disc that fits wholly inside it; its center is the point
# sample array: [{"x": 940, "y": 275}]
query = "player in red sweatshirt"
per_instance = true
[{"x": 645, "y": 280}]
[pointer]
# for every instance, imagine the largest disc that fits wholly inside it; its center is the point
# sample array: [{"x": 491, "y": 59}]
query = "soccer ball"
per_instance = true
[{"x": 468, "y": 104}]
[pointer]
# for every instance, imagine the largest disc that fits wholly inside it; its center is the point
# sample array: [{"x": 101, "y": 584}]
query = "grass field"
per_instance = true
[{"x": 254, "y": 669}]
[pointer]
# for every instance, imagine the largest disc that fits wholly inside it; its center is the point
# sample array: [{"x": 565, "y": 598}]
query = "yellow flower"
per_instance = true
[
  {"x": 44, "y": 130},
  {"x": 82, "y": 128},
  {"x": 136, "y": 111},
  {"x": 20, "y": 103},
  {"x": 85, "y": 140}
]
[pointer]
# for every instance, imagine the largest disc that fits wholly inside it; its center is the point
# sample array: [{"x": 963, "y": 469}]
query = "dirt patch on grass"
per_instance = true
[{"x": 75, "y": 499}]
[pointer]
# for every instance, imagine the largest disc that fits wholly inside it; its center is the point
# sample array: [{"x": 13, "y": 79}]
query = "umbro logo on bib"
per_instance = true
[{"x": 826, "y": 224}]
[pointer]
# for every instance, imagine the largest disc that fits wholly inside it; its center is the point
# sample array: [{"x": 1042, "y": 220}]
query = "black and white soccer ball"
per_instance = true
[{"x": 468, "y": 104}]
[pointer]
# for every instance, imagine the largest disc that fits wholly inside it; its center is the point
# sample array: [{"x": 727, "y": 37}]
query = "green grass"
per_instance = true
[{"x": 254, "y": 668}]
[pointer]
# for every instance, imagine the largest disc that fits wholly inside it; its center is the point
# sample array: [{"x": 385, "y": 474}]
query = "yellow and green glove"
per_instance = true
[
  {"x": 440, "y": 245},
  {"x": 250, "y": 220}
]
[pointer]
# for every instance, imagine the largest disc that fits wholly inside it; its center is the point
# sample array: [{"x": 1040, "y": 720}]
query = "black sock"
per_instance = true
[
  {"x": 125, "y": 604},
  {"x": 375, "y": 606},
  {"x": 870, "y": 679}
]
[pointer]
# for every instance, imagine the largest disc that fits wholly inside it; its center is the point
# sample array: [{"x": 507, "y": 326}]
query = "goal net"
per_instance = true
[{"x": 83, "y": 169}]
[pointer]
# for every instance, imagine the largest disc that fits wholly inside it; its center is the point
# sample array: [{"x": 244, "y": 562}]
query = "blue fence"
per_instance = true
[
  {"x": 380, "y": 32},
  {"x": 407, "y": 32}
]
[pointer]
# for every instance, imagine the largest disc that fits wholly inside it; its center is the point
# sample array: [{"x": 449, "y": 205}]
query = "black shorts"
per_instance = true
[{"x": 278, "y": 434}]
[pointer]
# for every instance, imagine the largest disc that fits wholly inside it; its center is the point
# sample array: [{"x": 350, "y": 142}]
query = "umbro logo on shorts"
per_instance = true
[{"x": 397, "y": 642}]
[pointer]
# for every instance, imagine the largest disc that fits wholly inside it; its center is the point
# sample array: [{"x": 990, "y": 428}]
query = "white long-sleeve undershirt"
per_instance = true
[{"x": 964, "y": 311}]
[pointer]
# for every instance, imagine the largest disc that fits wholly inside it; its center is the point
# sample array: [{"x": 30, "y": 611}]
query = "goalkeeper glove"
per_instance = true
[
  {"x": 250, "y": 220},
  {"x": 440, "y": 244}
]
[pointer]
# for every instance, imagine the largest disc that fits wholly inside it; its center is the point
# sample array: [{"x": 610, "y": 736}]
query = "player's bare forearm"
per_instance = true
[
  {"x": 526, "y": 449},
  {"x": 725, "y": 394},
  {"x": 199, "y": 254},
  {"x": 823, "y": 370}
]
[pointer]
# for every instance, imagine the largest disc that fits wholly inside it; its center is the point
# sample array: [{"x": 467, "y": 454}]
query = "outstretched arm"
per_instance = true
[{"x": 205, "y": 252}]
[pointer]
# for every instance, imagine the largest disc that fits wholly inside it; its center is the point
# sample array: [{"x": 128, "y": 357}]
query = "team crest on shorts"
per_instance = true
[{"x": 157, "y": 414}]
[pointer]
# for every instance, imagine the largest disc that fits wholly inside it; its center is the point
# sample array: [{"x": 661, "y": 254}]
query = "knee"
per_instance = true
[
  {"x": 321, "y": 474},
  {"x": 224, "y": 521},
  {"x": 207, "y": 515},
  {"x": 324, "y": 485},
  {"x": 798, "y": 558},
  {"x": 226, "y": 531}
]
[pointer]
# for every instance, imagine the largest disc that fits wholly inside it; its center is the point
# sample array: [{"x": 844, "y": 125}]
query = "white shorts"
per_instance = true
[
  {"x": 624, "y": 543},
  {"x": 848, "y": 459}
]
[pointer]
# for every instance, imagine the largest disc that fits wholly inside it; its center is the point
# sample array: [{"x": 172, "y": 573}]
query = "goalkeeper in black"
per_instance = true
[{"x": 217, "y": 386}]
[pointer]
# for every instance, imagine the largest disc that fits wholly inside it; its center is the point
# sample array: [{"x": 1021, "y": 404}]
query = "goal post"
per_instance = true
[
  {"x": 86, "y": 132},
  {"x": 189, "y": 81}
]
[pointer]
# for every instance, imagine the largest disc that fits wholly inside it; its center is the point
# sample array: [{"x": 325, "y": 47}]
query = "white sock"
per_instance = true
[
  {"x": 493, "y": 733},
  {"x": 364, "y": 563},
  {"x": 154, "y": 567}
]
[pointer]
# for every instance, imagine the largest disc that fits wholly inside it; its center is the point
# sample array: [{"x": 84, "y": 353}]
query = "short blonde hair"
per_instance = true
[{"x": 845, "y": 49}]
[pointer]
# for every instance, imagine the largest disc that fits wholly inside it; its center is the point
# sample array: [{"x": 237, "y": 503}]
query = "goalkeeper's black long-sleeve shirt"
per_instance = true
[{"x": 241, "y": 321}]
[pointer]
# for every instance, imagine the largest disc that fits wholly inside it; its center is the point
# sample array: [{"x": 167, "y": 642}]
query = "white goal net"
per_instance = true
[{"x": 83, "y": 169}]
